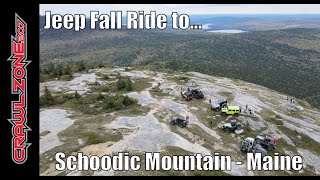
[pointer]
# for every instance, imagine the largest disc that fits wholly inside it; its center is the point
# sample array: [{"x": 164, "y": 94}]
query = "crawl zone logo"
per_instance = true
[{"x": 18, "y": 119}]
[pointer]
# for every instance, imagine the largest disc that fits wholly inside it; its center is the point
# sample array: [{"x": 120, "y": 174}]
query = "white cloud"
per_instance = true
[{"x": 185, "y": 8}]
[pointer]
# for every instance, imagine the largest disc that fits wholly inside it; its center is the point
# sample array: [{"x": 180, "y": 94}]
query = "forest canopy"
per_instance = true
[{"x": 284, "y": 60}]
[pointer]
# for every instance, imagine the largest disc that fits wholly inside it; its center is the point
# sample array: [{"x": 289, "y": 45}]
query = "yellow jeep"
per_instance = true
[{"x": 230, "y": 110}]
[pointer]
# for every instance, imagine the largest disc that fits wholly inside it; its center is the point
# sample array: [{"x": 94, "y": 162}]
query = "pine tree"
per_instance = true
[
  {"x": 67, "y": 71},
  {"x": 77, "y": 95},
  {"x": 129, "y": 85},
  {"x": 100, "y": 96},
  {"x": 81, "y": 66},
  {"x": 121, "y": 84},
  {"x": 46, "y": 99}
]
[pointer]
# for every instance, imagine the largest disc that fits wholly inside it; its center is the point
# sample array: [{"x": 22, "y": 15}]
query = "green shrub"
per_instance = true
[
  {"x": 66, "y": 77},
  {"x": 100, "y": 97},
  {"x": 117, "y": 102},
  {"x": 129, "y": 85},
  {"x": 128, "y": 101},
  {"x": 46, "y": 99},
  {"x": 105, "y": 88},
  {"x": 105, "y": 77},
  {"x": 121, "y": 84},
  {"x": 77, "y": 95}
]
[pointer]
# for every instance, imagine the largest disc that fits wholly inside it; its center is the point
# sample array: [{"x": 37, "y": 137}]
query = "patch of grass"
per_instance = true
[
  {"x": 228, "y": 95},
  {"x": 271, "y": 117},
  {"x": 117, "y": 102},
  {"x": 97, "y": 138},
  {"x": 126, "y": 69},
  {"x": 180, "y": 80},
  {"x": 303, "y": 103},
  {"x": 123, "y": 86},
  {"x": 305, "y": 142},
  {"x": 206, "y": 116},
  {"x": 281, "y": 146},
  {"x": 109, "y": 87},
  {"x": 48, "y": 157},
  {"x": 88, "y": 128},
  {"x": 134, "y": 110},
  {"x": 208, "y": 139},
  {"x": 157, "y": 91},
  {"x": 295, "y": 114},
  {"x": 78, "y": 104},
  {"x": 274, "y": 120},
  {"x": 44, "y": 133},
  {"x": 141, "y": 84},
  {"x": 173, "y": 150},
  {"x": 265, "y": 113},
  {"x": 248, "y": 131},
  {"x": 278, "y": 116},
  {"x": 66, "y": 77},
  {"x": 105, "y": 77}
]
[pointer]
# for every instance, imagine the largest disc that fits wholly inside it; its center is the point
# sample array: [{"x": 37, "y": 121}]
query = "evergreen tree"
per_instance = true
[
  {"x": 121, "y": 84},
  {"x": 129, "y": 84},
  {"x": 67, "y": 71},
  {"x": 46, "y": 99},
  {"x": 81, "y": 66},
  {"x": 100, "y": 65},
  {"x": 77, "y": 95},
  {"x": 100, "y": 96}
]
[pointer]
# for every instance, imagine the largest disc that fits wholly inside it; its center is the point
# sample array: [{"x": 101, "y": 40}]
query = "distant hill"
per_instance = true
[{"x": 286, "y": 60}]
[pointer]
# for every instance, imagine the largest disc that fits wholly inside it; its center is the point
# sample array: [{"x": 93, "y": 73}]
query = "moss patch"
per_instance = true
[
  {"x": 305, "y": 142},
  {"x": 141, "y": 84},
  {"x": 45, "y": 133}
]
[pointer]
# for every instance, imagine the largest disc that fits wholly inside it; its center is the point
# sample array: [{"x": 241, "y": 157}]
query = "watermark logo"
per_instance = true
[{"x": 19, "y": 111}]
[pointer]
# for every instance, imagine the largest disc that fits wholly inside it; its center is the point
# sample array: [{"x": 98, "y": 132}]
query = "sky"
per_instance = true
[{"x": 184, "y": 8}]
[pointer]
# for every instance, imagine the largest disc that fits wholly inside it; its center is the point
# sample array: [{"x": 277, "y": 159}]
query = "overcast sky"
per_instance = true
[{"x": 185, "y": 8}]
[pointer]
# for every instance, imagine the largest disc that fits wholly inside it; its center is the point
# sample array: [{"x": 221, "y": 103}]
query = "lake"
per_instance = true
[{"x": 231, "y": 31}]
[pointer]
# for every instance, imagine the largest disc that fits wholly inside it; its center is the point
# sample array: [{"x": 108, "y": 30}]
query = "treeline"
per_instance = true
[
  {"x": 65, "y": 71},
  {"x": 106, "y": 103},
  {"x": 255, "y": 57}
]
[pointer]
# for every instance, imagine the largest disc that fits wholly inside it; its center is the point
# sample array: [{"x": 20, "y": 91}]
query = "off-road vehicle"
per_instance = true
[
  {"x": 232, "y": 126},
  {"x": 267, "y": 142},
  {"x": 180, "y": 121},
  {"x": 187, "y": 95},
  {"x": 247, "y": 145},
  {"x": 218, "y": 104},
  {"x": 230, "y": 110},
  {"x": 197, "y": 93}
]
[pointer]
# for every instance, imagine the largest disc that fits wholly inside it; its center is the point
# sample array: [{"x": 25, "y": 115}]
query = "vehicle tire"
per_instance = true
[
  {"x": 236, "y": 115},
  {"x": 227, "y": 130}
]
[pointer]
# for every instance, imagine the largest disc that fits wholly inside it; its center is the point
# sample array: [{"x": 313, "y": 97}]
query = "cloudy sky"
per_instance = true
[{"x": 185, "y": 8}]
